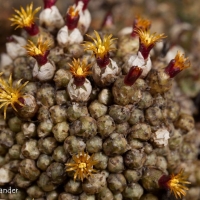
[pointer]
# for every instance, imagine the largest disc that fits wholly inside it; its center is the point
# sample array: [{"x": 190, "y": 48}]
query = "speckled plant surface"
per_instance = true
[{"x": 94, "y": 113}]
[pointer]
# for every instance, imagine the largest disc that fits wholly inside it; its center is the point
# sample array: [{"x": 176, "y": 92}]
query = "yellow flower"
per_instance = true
[
  {"x": 79, "y": 68},
  {"x": 10, "y": 94},
  {"x": 181, "y": 62},
  {"x": 100, "y": 47},
  {"x": 24, "y": 18},
  {"x": 82, "y": 166},
  {"x": 73, "y": 12},
  {"x": 176, "y": 184},
  {"x": 39, "y": 49},
  {"x": 148, "y": 39},
  {"x": 142, "y": 23}
]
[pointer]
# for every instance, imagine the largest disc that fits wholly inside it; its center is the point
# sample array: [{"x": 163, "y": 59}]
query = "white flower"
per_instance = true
[
  {"x": 44, "y": 72},
  {"x": 16, "y": 48},
  {"x": 160, "y": 137},
  {"x": 66, "y": 37},
  {"x": 79, "y": 93},
  {"x": 51, "y": 18},
  {"x": 138, "y": 60}
]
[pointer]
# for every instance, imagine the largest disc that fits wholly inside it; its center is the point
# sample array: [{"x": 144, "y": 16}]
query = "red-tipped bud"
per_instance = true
[
  {"x": 108, "y": 21},
  {"x": 72, "y": 18},
  {"x": 32, "y": 30},
  {"x": 49, "y": 3},
  {"x": 103, "y": 62},
  {"x": 176, "y": 65},
  {"x": 85, "y": 3},
  {"x": 133, "y": 74}
]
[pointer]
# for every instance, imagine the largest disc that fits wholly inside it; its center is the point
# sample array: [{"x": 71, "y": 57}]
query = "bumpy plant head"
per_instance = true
[
  {"x": 40, "y": 50},
  {"x": 133, "y": 74},
  {"x": 176, "y": 183},
  {"x": 79, "y": 69},
  {"x": 25, "y": 19},
  {"x": 82, "y": 166},
  {"x": 147, "y": 41},
  {"x": 101, "y": 48},
  {"x": 177, "y": 64},
  {"x": 10, "y": 94}
]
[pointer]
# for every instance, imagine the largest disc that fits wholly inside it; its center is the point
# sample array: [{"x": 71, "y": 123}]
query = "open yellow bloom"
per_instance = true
[
  {"x": 100, "y": 47},
  {"x": 24, "y": 18},
  {"x": 38, "y": 49},
  {"x": 10, "y": 94},
  {"x": 176, "y": 184},
  {"x": 142, "y": 23},
  {"x": 181, "y": 62},
  {"x": 79, "y": 68},
  {"x": 148, "y": 39},
  {"x": 82, "y": 166}
]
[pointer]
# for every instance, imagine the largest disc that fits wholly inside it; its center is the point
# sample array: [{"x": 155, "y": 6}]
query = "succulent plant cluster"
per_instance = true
[{"x": 89, "y": 116}]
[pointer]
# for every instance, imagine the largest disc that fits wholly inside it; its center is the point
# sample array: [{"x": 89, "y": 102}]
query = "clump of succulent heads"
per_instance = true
[
  {"x": 175, "y": 183},
  {"x": 82, "y": 165},
  {"x": 89, "y": 123},
  {"x": 26, "y": 19},
  {"x": 100, "y": 48},
  {"x": 10, "y": 94}
]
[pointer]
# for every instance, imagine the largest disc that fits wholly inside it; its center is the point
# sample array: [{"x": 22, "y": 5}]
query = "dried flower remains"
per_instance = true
[
  {"x": 10, "y": 94},
  {"x": 82, "y": 166}
]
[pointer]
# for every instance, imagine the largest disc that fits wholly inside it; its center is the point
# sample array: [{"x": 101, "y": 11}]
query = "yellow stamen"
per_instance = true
[
  {"x": 100, "y": 47},
  {"x": 24, "y": 18},
  {"x": 148, "y": 39},
  {"x": 141, "y": 23},
  {"x": 181, "y": 62},
  {"x": 176, "y": 184},
  {"x": 39, "y": 49},
  {"x": 72, "y": 11},
  {"x": 83, "y": 165},
  {"x": 79, "y": 68},
  {"x": 10, "y": 94}
]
